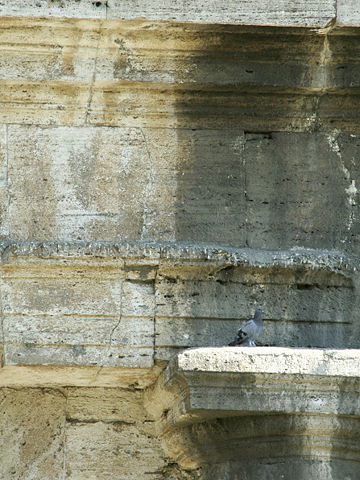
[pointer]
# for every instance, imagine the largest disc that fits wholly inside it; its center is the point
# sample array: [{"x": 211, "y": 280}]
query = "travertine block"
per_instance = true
[
  {"x": 54, "y": 296},
  {"x": 77, "y": 317},
  {"x": 102, "y": 450},
  {"x": 90, "y": 182},
  {"x": 79, "y": 355},
  {"x": 32, "y": 433},
  {"x": 105, "y": 404}
]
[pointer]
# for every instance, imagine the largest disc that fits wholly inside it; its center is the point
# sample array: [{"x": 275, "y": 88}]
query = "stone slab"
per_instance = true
[
  {"x": 310, "y": 13},
  {"x": 271, "y": 360},
  {"x": 279, "y": 12}
]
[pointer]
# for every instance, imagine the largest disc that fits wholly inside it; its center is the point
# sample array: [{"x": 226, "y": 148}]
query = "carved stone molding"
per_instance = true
[{"x": 237, "y": 408}]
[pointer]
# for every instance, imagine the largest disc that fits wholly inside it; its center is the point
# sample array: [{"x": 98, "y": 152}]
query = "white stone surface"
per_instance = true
[
  {"x": 289, "y": 361},
  {"x": 57, "y": 8},
  {"x": 208, "y": 383},
  {"x": 348, "y": 12},
  {"x": 252, "y": 12},
  {"x": 268, "y": 12}
]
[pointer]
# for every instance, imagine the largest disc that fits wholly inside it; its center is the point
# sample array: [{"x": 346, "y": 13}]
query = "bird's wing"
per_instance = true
[{"x": 248, "y": 331}]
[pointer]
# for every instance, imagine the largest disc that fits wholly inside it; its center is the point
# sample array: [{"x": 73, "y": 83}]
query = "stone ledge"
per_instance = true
[
  {"x": 162, "y": 253},
  {"x": 208, "y": 383},
  {"x": 298, "y": 13},
  {"x": 313, "y": 13}
]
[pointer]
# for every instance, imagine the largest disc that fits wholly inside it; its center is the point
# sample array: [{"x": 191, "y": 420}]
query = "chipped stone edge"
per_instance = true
[
  {"x": 338, "y": 13},
  {"x": 111, "y": 10},
  {"x": 160, "y": 253}
]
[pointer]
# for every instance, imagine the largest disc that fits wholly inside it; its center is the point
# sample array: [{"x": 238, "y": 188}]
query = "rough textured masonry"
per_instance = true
[{"x": 166, "y": 167}]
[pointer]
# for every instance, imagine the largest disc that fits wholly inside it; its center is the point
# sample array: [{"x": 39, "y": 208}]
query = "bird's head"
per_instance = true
[{"x": 260, "y": 310}]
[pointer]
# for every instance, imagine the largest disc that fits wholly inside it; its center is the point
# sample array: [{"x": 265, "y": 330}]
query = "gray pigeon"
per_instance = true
[{"x": 248, "y": 333}]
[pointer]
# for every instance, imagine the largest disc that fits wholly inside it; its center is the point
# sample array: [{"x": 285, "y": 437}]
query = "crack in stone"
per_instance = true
[{"x": 120, "y": 315}]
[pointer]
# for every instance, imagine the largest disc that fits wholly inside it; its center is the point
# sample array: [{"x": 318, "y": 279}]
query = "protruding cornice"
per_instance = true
[
  {"x": 216, "y": 259},
  {"x": 214, "y": 404},
  {"x": 208, "y": 383}
]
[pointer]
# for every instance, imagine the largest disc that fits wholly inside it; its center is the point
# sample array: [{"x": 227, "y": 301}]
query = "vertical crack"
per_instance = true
[
  {"x": 120, "y": 313},
  {"x": 7, "y": 186}
]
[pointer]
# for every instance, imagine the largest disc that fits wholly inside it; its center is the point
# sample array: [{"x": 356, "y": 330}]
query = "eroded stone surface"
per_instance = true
[
  {"x": 126, "y": 305},
  {"x": 32, "y": 433},
  {"x": 263, "y": 391},
  {"x": 138, "y": 73},
  {"x": 69, "y": 432}
]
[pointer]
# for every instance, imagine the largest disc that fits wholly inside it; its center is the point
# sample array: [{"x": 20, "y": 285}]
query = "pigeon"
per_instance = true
[{"x": 248, "y": 333}]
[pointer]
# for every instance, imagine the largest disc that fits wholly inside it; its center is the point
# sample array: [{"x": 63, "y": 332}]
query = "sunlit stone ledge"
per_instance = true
[{"x": 208, "y": 383}]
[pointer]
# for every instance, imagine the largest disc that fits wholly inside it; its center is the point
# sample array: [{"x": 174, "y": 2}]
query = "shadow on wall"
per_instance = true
[
  {"x": 274, "y": 447},
  {"x": 237, "y": 186},
  {"x": 292, "y": 186}
]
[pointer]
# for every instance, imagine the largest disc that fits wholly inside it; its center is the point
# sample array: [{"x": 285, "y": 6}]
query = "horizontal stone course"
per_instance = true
[
  {"x": 279, "y": 12},
  {"x": 132, "y": 304}
]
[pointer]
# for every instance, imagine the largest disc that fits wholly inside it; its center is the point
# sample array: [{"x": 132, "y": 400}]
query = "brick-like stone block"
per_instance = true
[{"x": 32, "y": 433}]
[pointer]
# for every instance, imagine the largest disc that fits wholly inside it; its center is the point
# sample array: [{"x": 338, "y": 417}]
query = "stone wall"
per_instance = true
[{"x": 164, "y": 169}]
